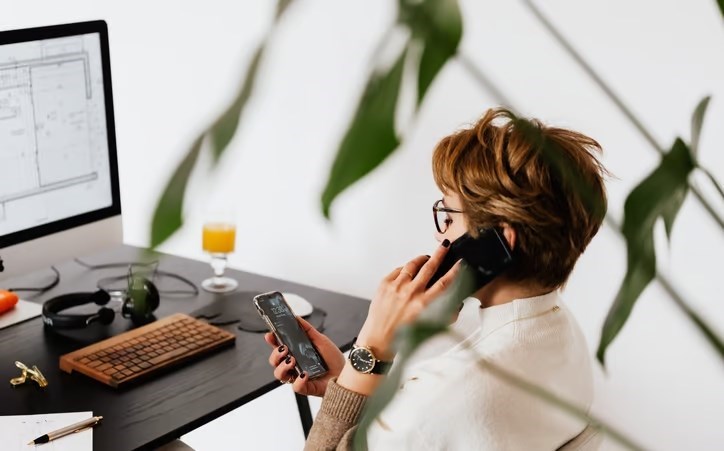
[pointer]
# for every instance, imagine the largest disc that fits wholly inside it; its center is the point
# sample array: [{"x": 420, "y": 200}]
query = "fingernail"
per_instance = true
[
  {"x": 446, "y": 243},
  {"x": 288, "y": 360},
  {"x": 428, "y": 256},
  {"x": 303, "y": 375},
  {"x": 280, "y": 349}
]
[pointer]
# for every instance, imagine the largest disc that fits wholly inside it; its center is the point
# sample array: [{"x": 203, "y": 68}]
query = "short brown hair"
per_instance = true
[{"x": 546, "y": 182}]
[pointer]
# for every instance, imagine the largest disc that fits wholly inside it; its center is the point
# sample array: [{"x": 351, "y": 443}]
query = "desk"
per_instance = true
[{"x": 162, "y": 408}]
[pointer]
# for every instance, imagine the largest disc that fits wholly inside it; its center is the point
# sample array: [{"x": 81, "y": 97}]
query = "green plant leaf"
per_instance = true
[
  {"x": 432, "y": 321},
  {"x": 697, "y": 119},
  {"x": 224, "y": 128},
  {"x": 371, "y": 136},
  {"x": 678, "y": 193},
  {"x": 672, "y": 209},
  {"x": 438, "y": 25},
  {"x": 658, "y": 195},
  {"x": 721, "y": 6},
  {"x": 168, "y": 215}
]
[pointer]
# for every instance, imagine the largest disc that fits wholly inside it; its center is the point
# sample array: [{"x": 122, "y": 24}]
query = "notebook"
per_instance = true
[
  {"x": 17, "y": 430},
  {"x": 23, "y": 311}
]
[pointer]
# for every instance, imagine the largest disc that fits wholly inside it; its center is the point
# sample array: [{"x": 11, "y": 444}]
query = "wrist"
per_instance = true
[{"x": 362, "y": 383}]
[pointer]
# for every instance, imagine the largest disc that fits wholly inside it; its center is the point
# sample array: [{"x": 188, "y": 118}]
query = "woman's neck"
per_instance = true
[{"x": 501, "y": 291}]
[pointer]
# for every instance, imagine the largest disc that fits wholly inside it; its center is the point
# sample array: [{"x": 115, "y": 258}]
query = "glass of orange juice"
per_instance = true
[{"x": 218, "y": 239}]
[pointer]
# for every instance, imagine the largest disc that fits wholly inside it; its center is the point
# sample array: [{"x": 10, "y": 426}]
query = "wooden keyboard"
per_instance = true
[{"x": 144, "y": 351}]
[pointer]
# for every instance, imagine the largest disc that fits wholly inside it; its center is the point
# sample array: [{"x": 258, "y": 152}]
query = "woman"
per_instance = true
[{"x": 543, "y": 187}]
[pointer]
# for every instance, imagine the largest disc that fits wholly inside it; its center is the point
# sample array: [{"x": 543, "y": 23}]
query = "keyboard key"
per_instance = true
[{"x": 168, "y": 356}]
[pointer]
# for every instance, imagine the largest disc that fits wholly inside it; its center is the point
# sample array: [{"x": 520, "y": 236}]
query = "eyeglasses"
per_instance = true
[{"x": 440, "y": 214}]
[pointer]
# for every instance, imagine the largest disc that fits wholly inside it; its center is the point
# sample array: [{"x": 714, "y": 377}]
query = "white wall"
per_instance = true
[{"x": 176, "y": 63}]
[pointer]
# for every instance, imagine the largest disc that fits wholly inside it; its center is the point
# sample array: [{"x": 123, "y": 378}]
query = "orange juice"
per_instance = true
[{"x": 219, "y": 238}]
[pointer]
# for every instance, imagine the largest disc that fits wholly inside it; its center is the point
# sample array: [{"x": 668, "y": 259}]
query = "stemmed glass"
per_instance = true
[{"x": 219, "y": 237}]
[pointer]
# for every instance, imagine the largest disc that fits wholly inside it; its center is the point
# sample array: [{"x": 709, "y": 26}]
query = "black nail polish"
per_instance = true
[
  {"x": 280, "y": 349},
  {"x": 303, "y": 375},
  {"x": 446, "y": 243},
  {"x": 288, "y": 360}
]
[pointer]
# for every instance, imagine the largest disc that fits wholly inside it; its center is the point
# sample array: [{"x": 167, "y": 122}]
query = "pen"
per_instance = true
[{"x": 77, "y": 427}]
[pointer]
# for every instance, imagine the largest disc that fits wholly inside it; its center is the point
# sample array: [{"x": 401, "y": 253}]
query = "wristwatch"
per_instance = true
[{"x": 363, "y": 360}]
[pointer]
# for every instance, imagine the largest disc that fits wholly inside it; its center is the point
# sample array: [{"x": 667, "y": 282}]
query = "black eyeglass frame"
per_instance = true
[{"x": 436, "y": 209}]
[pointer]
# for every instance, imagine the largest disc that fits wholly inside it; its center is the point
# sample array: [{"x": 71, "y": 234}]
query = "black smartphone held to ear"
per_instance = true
[
  {"x": 488, "y": 255},
  {"x": 275, "y": 311}
]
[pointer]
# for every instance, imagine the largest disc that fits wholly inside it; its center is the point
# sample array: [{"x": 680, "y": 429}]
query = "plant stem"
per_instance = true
[
  {"x": 615, "y": 99},
  {"x": 713, "y": 181},
  {"x": 483, "y": 80}
]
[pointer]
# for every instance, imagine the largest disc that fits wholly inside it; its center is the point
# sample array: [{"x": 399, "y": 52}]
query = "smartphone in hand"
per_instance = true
[
  {"x": 280, "y": 319},
  {"x": 488, "y": 255}
]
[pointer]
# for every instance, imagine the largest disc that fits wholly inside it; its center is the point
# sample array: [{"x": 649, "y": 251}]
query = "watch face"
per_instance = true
[{"x": 362, "y": 360}]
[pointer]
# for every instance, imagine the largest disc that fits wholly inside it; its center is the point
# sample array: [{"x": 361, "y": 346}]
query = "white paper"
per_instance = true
[
  {"x": 23, "y": 310},
  {"x": 16, "y": 431}
]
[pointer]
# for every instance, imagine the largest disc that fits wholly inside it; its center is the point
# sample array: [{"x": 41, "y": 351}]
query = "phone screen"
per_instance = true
[
  {"x": 487, "y": 255},
  {"x": 284, "y": 324}
]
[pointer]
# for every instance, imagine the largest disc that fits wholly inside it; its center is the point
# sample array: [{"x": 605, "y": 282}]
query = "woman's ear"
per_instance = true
[{"x": 509, "y": 234}]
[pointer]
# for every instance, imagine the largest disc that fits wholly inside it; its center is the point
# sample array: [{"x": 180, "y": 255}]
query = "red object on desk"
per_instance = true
[{"x": 8, "y": 299}]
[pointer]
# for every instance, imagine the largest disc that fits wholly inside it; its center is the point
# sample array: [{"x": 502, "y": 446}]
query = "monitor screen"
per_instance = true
[{"x": 57, "y": 152}]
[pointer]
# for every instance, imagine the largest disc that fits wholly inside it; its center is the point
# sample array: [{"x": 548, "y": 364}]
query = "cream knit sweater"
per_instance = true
[{"x": 446, "y": 401}]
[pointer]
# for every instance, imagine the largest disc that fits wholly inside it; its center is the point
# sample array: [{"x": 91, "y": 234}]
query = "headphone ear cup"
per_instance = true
[
  {"x": 105, "y": 315},
  {"x": 100, "y": 297},
  {"x": 153, "y": 298},
  {"x": 141, "y": 302}
]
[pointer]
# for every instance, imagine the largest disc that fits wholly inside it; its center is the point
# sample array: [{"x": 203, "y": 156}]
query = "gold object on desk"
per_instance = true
[{"x": 33, "y": 373}]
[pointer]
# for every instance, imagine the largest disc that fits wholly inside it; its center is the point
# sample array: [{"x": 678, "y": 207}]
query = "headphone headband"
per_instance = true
[
  {"x": 52, "y": 308},
  {"x": 139, "y": 310}
]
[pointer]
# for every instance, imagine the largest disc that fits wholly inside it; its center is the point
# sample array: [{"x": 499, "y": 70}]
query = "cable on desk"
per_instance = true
[
  {"x": 193, "y": 292},
  {"x": 42, "y": 289},
  {"x": 324, "y": 318}
]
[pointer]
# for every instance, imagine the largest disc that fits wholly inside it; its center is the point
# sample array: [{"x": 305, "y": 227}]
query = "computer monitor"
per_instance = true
[{"x": 59, "y": 193}]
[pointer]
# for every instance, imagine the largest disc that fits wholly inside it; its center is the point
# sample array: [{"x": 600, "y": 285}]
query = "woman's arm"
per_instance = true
[
  {"x": 399, "y": 300},
  {"x": 401, "y": 297},
  {"x": 336, "y": 422}
]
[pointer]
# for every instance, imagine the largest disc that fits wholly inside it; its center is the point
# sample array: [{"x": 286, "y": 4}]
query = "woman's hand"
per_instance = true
[
  {"x": 283, "y": 363},
  {"x": 400, "y": 299}
]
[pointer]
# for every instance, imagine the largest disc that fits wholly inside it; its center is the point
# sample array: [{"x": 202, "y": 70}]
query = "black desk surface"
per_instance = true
[{"x": 162, "y": 408}]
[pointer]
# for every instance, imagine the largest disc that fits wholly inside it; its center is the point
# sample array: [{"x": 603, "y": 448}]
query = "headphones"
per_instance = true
[{"x": 138, "y": 304}]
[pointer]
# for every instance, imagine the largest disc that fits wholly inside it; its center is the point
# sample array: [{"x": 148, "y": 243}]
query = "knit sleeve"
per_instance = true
[{"x": 336, "y": 421}]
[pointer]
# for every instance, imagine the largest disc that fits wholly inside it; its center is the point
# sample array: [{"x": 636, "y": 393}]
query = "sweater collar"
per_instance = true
[{"x": 495, "y": 316}]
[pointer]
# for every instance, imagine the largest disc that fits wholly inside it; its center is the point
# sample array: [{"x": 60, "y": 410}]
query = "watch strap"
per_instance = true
[{"x": 381, "y": 367}]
